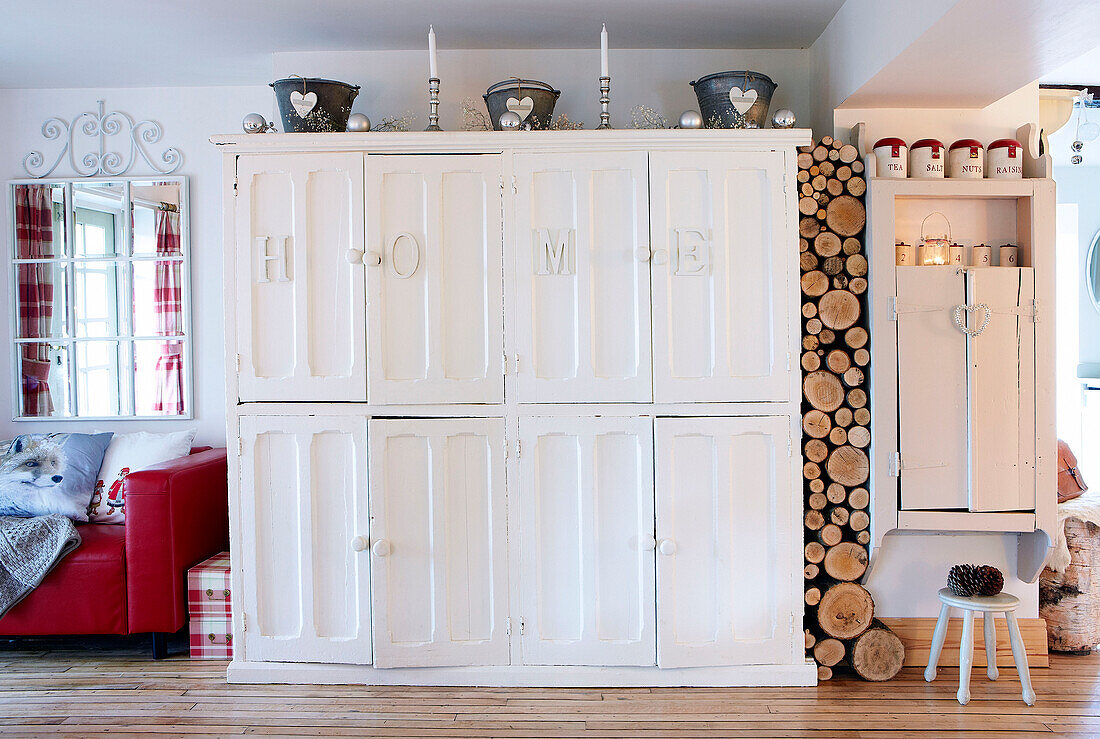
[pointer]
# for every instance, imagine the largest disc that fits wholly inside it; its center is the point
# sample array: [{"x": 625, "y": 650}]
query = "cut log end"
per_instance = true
[
  {"x": 877, "y": 654},
  {"x": 845, "y": 610}
]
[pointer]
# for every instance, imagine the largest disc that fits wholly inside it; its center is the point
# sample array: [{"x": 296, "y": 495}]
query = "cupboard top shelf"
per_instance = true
[
  {"x": 957, "y": 188},
  {"x": 495, "y": 141}
]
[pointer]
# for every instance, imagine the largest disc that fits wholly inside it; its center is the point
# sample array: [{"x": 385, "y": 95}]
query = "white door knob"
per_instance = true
[
  {"x": 647, "y": 543},
  {"x": 354, "y": 256},
  {"x": 372, "y": 259},
  {"x": 643, "y": 253},
  {"x": 667, "y": 547},
  {"x": 359, "y": 543},
  {"x": 660, "y": 256},
  {"x": 381, "y": 548}
]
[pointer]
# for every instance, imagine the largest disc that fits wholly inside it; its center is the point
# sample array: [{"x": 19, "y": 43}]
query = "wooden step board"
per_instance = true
[{"x": 916, "y": 635}]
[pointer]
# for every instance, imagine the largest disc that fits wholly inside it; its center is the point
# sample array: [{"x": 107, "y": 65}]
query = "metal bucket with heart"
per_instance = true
[
  {"x": 734, "y": 99},
  {"x": 312, "y": 105},
  {"x": 531, "y": 100}
]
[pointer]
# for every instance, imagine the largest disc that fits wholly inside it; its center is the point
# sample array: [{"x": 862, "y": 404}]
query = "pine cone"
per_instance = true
[
  {"x": 963, "y": 580},
  {"x": 990, "y": 580}
]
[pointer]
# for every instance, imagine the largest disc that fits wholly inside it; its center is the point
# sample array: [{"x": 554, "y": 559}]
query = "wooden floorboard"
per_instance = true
[{"x": 67, "y": 691}]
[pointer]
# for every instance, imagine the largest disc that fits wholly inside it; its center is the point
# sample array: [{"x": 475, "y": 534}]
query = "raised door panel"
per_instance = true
[
  {"x": 725, "y": 554},
  {"x": 303, "y": 504},
  {"x": 581, "y": 313},
  {"x": 585, "y": 500},
  {"x": 439, "y": 544},
  {"x": 435, "y": 279},
  {"x": 721, "y": 267},
  {"x": 932, "y": 397},
  {"x": 300, "y": 314},
  {"x": 1001, "y": 380}
]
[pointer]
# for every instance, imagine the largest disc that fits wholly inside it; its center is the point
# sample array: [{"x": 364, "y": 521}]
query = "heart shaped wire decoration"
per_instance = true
[{"x": 961, "y": 323}]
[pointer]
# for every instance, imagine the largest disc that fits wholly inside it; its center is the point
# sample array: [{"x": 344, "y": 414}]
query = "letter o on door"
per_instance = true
[{"x": 405, "y": 262}]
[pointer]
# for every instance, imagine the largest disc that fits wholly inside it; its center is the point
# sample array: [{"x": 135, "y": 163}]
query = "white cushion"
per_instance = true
[{"x": 129, "y": 453}]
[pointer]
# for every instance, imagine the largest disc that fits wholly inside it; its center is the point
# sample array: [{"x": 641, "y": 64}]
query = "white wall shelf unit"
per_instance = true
[
  {"x": 529, "y": 396},
  {"x": 963, "y": 436}
]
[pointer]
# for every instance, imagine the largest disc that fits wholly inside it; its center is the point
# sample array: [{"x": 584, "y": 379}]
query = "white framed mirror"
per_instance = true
[
  {"x": 100, "y": 298},
  {"x": 1092, "y": 272}
]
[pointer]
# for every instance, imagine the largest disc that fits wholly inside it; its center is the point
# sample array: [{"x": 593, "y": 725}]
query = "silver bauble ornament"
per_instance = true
[
  {"x": 783, "y": 118},
  {"x": 691, "y": 119},
  {"x": 1076, "y": 159},
  {"x": 1077, "y": 145},
  {"x": 358, "y": 123},
  {"x": 254, "y": 123},
  {"x": 510, "y": 121}
]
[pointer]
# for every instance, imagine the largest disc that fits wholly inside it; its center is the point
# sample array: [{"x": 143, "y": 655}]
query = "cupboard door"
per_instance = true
[
  {"x": 724, "y": 542},
  {"x": 1001, "y": 381},
  {"x": 300, "y": 322},
  {"x": 434, "y": 279},
  {"x": 585, "y": 499},
  {"x": 303, "y": 516},
  {"x": 721, "y": 267},
  {"x": 932, "y": 397},
  {"x": 438, "y": 540},
  {"x": 581, "y": 283}
]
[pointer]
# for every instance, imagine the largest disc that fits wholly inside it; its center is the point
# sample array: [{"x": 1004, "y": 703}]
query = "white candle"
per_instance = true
[
  {"x": 432, "y": 69},
  {"x": 603, "y": 52}
]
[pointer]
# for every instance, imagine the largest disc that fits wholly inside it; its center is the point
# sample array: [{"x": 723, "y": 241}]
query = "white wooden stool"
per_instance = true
[{"x": 987, "y": 606}]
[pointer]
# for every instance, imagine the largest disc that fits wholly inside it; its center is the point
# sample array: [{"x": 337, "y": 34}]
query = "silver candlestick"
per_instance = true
[
  {"x": 605, "y": 100},
  {"x": 433, "y": 103}
]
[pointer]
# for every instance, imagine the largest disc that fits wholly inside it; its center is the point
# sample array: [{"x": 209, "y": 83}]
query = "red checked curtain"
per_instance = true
[
  {"x": 34, "y": 240},
  {"x": 168, "y": 305}
]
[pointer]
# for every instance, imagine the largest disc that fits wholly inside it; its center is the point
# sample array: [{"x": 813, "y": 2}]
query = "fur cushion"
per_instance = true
[{"x": 42, "y": 474}]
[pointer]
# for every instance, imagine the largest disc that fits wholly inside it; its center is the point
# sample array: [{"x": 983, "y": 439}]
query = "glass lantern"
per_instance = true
[{"x": 933, "y": 249}]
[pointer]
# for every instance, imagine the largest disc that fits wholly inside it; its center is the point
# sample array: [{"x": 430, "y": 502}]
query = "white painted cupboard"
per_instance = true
[
  {"x": 963, "y": 425},
  {"x": 515, "y": 409}
]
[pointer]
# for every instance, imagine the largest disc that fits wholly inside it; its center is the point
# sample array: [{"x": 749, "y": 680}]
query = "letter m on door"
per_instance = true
[{"x": 554, "y": 251}]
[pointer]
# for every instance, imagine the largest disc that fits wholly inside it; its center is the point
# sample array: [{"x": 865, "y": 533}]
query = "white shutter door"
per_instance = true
[
  {"x": 581, "y": 283},
  {"x": 1002, "y": 390},
  {"x": 300, "y": 303},
  {"x": 932, "y": 405},
  {"x": 722, "y": 252},
  {"x": 585, "y": 500},
  {"x": 303, "y": 503},
  {"x": 436, "y": 321},
  {"x": 724, "y": 561},
  {"x": 438, "y": 542}
]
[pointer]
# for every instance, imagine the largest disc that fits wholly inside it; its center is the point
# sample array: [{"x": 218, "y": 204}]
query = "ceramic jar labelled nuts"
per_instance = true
[
  {"x": 966, "y": 160},
  {"x": 926, "y": 159}
]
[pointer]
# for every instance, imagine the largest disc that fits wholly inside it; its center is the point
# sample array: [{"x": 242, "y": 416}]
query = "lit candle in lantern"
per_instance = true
[
  {"x": 603, "y": 52},
  {"x": 432, "y": 67}
]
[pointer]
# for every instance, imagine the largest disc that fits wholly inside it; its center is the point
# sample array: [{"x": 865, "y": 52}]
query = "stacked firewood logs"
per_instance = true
[{"x": 836, "y": 419}]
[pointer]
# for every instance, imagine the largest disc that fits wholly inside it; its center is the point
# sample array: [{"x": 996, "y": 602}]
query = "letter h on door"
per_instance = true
[{"x": 264, "y": 259}]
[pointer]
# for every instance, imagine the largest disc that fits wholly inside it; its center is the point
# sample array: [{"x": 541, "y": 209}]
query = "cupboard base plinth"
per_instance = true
[{"x": 525, "y": 676}]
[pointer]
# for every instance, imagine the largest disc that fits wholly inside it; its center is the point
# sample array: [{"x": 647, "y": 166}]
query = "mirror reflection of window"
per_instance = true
[{"x": 100, "y": 271}]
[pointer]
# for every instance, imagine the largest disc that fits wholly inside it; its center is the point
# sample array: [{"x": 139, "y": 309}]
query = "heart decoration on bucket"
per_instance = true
[
  {"x": 742, "y": 100},
  {"x": 522, "y": 108},
  {"x": 303, "y": 104}
]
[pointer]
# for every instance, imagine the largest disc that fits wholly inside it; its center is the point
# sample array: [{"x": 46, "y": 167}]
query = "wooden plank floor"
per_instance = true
[{"x": 57, "y": 689}]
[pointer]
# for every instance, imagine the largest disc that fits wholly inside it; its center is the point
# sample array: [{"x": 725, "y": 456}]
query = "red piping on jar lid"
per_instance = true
[
  {"x": 888, "y": 142},
  {"x": 927, "y": 143},
  {"x": 966, "y": 144},
  {"x": 1010, "y": 144}
]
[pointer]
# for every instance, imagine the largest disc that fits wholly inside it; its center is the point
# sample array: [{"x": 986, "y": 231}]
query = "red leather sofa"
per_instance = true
[{"x": 132, "y": 578}]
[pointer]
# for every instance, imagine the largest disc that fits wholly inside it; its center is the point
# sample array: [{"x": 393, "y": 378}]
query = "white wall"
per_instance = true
[
  {"x": 396, "y": 81},
  {"x": 189, "y": 116}
]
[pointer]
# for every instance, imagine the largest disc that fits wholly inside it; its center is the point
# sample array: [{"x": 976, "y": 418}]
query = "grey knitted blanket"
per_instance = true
[{"x": 29, "y": 549}]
